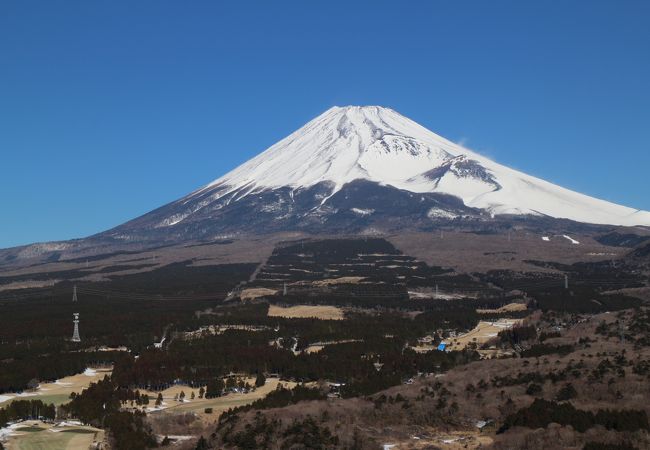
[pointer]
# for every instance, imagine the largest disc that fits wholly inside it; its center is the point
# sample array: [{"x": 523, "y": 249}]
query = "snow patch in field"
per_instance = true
[
  {"x": 9, "y": 430},
  {"x": 5, "y": 398},
  {"x": 90, "y": 372},
  {"x": 69, "y": 423},
  {"x": 573, "y": 241},
  {"x": 546, "y": 238},
  {"x": 180, "y": 437}
]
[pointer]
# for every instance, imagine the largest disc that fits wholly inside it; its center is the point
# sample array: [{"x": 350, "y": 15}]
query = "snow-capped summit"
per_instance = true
[
  {"x": 380, "y": 145},
  {"x": 342, "y": 145},
  {"x": 373, "y": 160}
]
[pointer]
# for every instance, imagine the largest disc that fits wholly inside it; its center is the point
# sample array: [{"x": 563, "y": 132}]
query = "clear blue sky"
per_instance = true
[{"x": 109, "y": 109}]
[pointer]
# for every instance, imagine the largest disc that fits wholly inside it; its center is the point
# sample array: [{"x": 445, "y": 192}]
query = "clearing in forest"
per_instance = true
[
  {"x": 36, "y": 435},
  {"x": 218, "y": 404},
  {"x": 510, "y": 307},
  {"x": 323, "y": 312},
  {"x": 59, "y": 391},
  {"x": 482, "y": 333}
]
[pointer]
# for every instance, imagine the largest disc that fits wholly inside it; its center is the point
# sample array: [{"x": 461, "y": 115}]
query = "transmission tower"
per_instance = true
[
  {"x": 74, "y": 293},
  {"x": 75, "y": 333}
]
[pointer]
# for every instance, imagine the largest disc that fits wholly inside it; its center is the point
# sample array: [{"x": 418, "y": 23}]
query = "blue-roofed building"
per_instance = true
[{"x": 442, "y": 346}]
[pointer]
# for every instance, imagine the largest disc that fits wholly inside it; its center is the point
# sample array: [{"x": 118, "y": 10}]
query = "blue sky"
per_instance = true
[{"x": 110, "y": 109}]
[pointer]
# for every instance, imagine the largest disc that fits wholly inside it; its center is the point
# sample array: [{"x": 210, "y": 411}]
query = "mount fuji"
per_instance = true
[{"x": 358, "y": 168}]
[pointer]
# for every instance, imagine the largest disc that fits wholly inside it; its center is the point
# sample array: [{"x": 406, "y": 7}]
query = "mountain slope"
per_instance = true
[{"x": 300, "y": 182}]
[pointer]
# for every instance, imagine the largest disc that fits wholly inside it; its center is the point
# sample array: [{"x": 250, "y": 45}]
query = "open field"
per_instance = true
[
  {"x": 59, "y": 391},
  {"x": 340, "y": 280},
  {"x": 510, "y": 307},
  {"x": 253, "y": 293},
  {"x": 318, "y": 346},
  {"x": 307, "y": 311},
  {"x": 482, "y": 333},
  {"x": 36, "y": 435},
  {"x": 218, "y": 404}
]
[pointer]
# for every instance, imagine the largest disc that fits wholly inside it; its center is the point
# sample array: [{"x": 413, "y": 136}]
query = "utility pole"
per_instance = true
[
  {"x": 284, "y": 291},
  {"x": 436, "y": 290},
  {"x": 566, "y": 281},
  {"x": 74, "y": 293},
  {"x": 75, "y": 333}
]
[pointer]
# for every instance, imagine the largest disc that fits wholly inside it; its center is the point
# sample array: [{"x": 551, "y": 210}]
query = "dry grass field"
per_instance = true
[
  {"x": 510, "y": 307},
  {"x": 340, "y": 280},
  {"x": 482, "y": 333},
  {"x": 253, "y": 293},
  {"x": 59, "y": 391},
  {"x": 218, "y": 404},
  {"x": 307, "y": 311}
]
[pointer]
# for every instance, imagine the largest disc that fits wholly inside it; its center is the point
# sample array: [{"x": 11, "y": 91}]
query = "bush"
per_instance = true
[
  {"x": 566, "y": 393},
  {"x": 533, "y": 389}
]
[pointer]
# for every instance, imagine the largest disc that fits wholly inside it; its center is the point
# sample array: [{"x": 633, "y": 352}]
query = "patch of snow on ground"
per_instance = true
[
  {"x": 173, "y": 220},
  {"x": 437, "y": 213},
  {"x": 69, "y": 423},
  {"x": 9, "y": 430},
  {"x": 573, "y": 241},
  {"x": 90, "y": 372},
  {"x": 546, "y": 238},
  {"x": 4, "y": 398},
  {"x": 362, "y": 212},
  {"x": 180, "y": 437}
]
